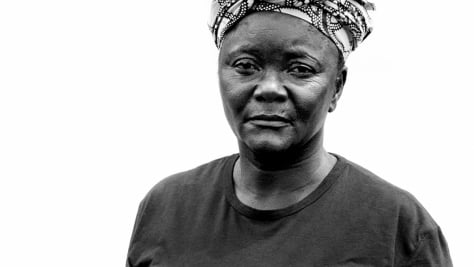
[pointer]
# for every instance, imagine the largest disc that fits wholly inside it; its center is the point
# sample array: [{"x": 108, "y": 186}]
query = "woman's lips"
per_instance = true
[{"x": 275, "y": 121}]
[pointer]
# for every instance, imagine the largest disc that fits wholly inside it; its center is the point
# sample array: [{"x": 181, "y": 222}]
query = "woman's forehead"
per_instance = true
[
  {"x": 270, "y": 30},
  {"x": 257, "y": 22}
]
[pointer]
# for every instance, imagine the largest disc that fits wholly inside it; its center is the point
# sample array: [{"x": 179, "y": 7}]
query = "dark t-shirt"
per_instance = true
[{"x": 353, "y": 218}]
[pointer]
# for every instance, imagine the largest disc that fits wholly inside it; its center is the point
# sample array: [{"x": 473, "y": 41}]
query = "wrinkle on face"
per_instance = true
[{"x": 274, "y": 41}]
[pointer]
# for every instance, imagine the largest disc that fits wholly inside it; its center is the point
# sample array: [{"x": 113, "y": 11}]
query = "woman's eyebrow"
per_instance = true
[
  {"x": 301, "y": 53},
  {"x": 243, "y": 49}
]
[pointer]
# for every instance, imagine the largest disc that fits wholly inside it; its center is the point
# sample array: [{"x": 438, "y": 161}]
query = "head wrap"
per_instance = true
[{"x": 346, "y": 22}]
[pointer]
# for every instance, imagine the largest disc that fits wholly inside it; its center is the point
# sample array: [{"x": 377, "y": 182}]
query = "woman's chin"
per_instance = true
[{"x": 267, "y": 144}]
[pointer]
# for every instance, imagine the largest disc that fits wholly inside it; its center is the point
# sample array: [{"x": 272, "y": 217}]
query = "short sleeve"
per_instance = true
[
  {"x": 431, "y": 250},
  {"x": 134, "y": 232}
]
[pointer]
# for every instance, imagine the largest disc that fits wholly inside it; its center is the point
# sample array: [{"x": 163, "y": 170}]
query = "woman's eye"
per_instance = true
[
  {"x": 301, "y": 70},
  {"x": 245, "y": 66}
]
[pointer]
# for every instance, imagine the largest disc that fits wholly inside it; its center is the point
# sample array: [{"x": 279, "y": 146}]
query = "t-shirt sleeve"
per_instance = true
[
  {"x": 431, "y": 250},
  {"x": 420, "y": 241},
  {"x": 133, "y": 245},
  {"x": 146, "y": 230}
]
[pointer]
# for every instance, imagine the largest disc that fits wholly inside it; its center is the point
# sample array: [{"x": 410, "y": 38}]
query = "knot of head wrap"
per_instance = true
[{"x": 346, "y": 22}]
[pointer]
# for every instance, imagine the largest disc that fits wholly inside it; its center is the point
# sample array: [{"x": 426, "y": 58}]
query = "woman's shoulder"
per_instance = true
[
  {"x": 380, "y": 194},
  {"x": 203, "y": 176},
  {"x": 370, "y": 183},
  {"x": 379, "y": 203}
]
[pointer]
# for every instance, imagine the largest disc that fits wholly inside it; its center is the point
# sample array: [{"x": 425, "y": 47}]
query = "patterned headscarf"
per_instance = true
[{"x": 346, "y": 22}]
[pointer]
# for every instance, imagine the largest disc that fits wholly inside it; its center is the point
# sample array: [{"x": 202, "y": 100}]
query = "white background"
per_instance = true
[{"x": 99, "y": 100}]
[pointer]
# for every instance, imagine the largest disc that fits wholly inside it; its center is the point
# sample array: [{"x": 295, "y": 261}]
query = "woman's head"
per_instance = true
[{"x": 279, "y": 76}]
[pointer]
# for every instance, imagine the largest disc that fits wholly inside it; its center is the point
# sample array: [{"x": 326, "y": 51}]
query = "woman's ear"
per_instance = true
[{"x": 340, "y": 81}]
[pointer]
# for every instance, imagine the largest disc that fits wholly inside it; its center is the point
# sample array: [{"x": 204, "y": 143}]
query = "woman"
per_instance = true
[{"x": 283, "y": 200}]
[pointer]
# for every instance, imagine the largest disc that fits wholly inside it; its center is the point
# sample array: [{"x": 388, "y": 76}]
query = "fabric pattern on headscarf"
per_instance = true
[{"x": 346, "y": 22}]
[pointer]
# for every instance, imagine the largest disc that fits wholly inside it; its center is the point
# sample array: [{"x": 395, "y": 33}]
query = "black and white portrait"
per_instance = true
[{"x": 236, "y": 133}]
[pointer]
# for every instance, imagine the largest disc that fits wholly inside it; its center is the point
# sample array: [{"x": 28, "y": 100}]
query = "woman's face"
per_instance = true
[{"x": 278, "y": 77}]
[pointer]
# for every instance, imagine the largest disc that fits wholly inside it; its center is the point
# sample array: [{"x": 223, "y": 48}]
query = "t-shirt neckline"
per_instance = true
[{"x": 228, "y": 187}]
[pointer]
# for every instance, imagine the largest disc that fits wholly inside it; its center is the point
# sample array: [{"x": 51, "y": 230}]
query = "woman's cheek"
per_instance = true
[
  {"x": 310, "y": 98},
  {"x": 234, "y": 101}
]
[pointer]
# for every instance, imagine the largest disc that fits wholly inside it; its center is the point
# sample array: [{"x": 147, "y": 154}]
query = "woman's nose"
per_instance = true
[{"x": 270, "y": 88}]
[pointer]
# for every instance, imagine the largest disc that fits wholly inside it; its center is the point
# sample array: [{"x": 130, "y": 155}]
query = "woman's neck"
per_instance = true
[{"x": 275, "y": 183}]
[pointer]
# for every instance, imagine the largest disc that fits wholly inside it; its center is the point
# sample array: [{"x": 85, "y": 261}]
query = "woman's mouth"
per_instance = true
[{"x": 269, "y": 120}]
